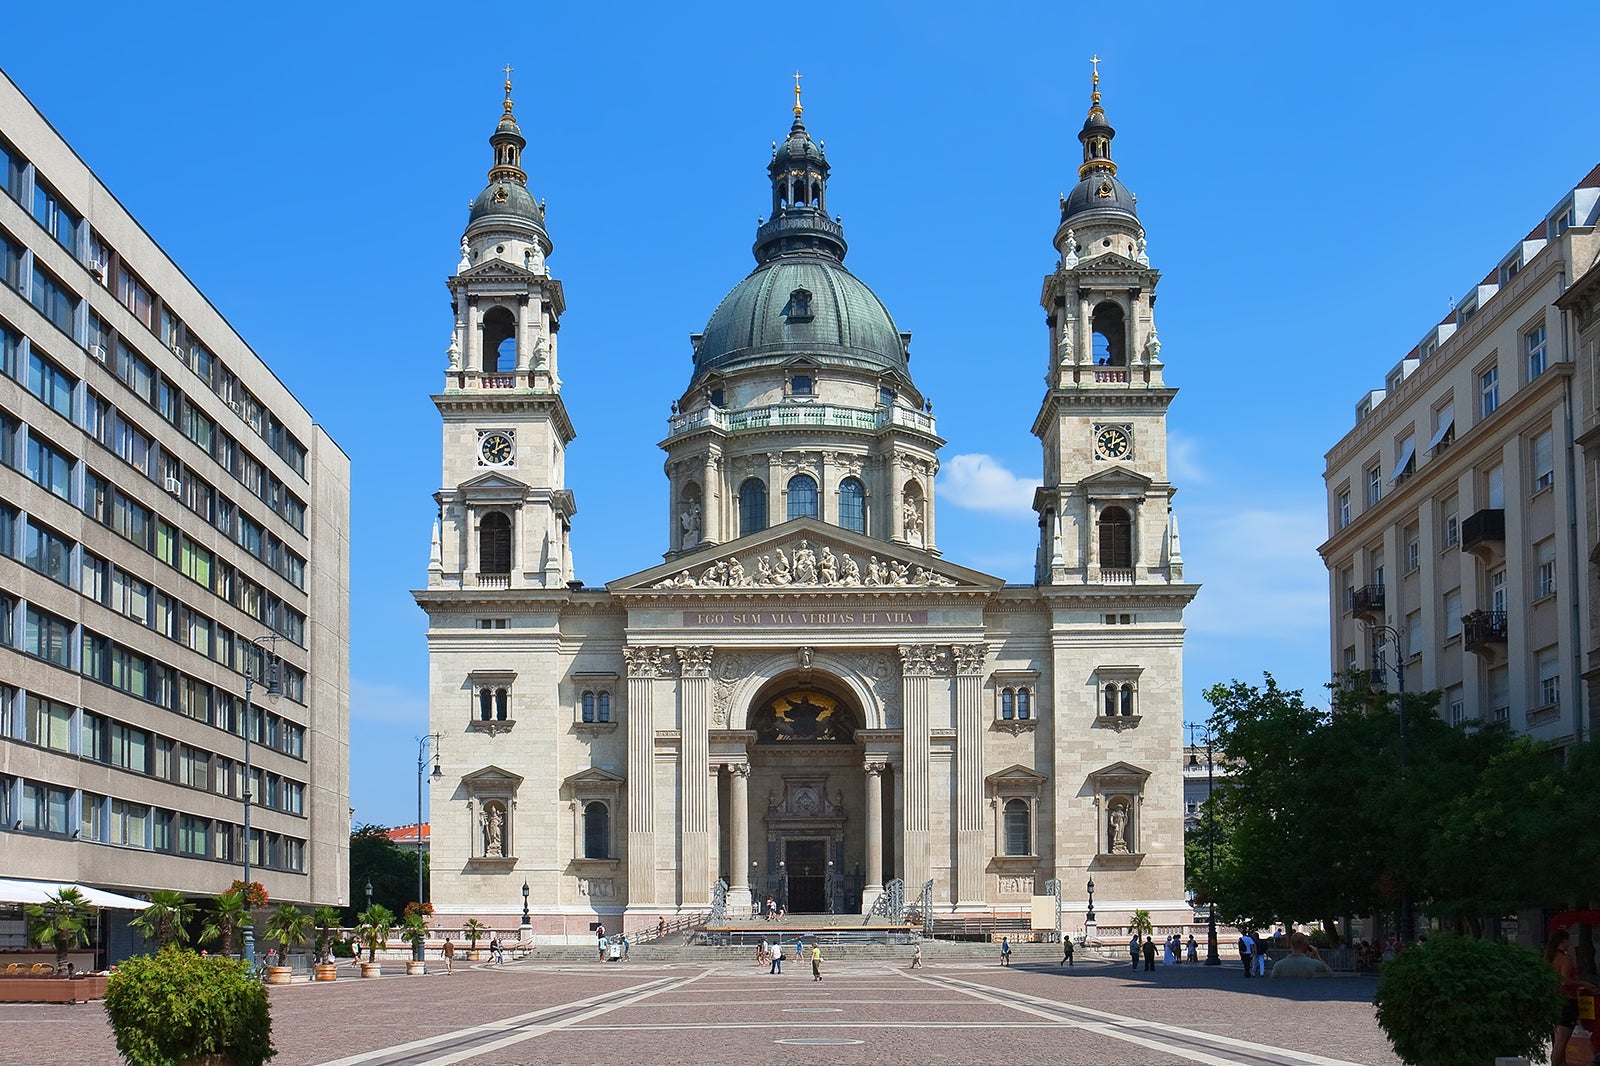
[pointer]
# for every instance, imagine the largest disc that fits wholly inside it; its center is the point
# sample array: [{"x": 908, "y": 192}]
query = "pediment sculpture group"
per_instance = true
[{"x": 807, "y": 566}]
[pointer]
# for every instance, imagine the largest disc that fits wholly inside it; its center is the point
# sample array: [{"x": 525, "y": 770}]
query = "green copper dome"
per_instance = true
[{"x": 801, "y": 305}]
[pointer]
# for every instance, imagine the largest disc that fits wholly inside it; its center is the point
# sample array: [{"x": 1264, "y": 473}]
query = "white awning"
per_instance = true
[
  {"x": 1447, "y": 422},
  {"x": 1408, "y": 451},
  {"x": 13, "y": 890}
]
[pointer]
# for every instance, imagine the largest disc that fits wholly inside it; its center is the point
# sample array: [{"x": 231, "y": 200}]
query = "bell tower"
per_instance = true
[
  {"x": 505, "y": 515},
  {"x": 1105, "y": 515}
]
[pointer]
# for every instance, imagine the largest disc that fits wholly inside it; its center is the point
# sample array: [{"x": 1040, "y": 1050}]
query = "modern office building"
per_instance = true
[
  {"x": 1461, "y": 519},
  {"x": 805, "y": 700},
  {"x": 170, "y": 517}
]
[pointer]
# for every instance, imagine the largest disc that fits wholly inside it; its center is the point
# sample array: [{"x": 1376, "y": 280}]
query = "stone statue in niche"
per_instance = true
[
  {"x": 541, "y": 353},
  {"x": 534, "y": 260},
  {"x": 911, "y": 521},
  {"x": 690, "y": 521},
  {"x": 1118, "y": 817},
  {"x": 1152, "y": 347},
  {"x": 493, "y": 827}
]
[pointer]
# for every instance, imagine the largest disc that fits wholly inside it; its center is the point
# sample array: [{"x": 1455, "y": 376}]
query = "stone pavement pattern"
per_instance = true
[{"x": 864, "y": 1011}]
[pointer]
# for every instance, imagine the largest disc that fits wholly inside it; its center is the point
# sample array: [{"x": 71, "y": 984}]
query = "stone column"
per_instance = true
[
  {"x": 644, "y": 665},
  {"x": 874, "y": 885},
  {"x": 916, "y": 667},
  {"x": 739, "y": 832},
  {"x": 969, "y": 772},
  {"x": 1083, "y": 350},
  {"x": 710, "y": 496},
  {"x": 473, "y": 357},
  {"x": 777, "y": 499},
  {"x": 694, "y": 813},
  {"x": 524, "y": 344}
]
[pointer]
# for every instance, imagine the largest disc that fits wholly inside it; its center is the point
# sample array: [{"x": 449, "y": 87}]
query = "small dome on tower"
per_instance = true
[
  {"x": 1098, "y": 194},
  {"x": 505, "y": 204}
]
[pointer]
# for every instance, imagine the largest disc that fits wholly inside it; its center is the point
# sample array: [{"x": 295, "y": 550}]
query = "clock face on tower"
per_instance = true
[
  {"x": 1112, "y": 442},
  {"x": 496, "y": 449}
]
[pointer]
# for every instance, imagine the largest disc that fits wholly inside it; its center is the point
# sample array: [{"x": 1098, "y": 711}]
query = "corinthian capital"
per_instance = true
[
  {"x": 969, "y": 657},
  {"x": 695, "y": 661}
]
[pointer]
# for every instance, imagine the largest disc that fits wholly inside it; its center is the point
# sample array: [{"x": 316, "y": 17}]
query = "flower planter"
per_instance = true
[
  {"x": 474, "y": 956},
  {"x": 279, "y": 975},
  {"x": 372, "y": 969},
  {"x": 416, "y": 969},
  {"x": 326, "y": 972}
]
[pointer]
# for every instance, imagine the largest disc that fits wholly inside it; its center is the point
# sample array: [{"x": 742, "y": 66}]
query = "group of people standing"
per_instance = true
[
  {"x": 771, "y": 956},
  {"x": 1172, "y": 950}
]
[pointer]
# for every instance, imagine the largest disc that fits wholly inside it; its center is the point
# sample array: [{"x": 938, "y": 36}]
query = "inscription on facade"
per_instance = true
[{"x": 885, "y": 619}]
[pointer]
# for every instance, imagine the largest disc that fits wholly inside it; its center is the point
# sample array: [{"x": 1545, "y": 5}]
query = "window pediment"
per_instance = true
[
  {"x": 1119, "y": 775},
  {"x": 492, "y": 488},
  {"x": 491, "y": 779},
  {"x": 594, "y": 783},
  {"x": 1116, "y": 483},
  {"x": 1016, "y": 779}
]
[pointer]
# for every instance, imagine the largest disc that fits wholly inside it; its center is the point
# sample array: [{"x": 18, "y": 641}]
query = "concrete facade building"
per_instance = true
[
  {"x": 170, "y": 516},
  {"x": 1459, "y": 516},
  {"x": 805, "y": 699}
]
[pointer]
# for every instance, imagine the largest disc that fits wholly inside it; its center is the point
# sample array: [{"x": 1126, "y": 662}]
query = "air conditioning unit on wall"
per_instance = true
[{"x": 174, "y": 486}]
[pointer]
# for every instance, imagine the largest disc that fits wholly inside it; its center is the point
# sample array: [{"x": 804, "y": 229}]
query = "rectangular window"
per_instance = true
[
  {"x": 53, "y": 299},
  {"x": 195, "y": 562},
  {"x": 161, "y": 830},
  {"x": 1533, "y": 345},
  {"x": 92, "y": 578},
  {"x": 1342, "y": 510},
  {"x": 50, "y": 383},
  {"x": 91, "y": 816},
  {"x": 1374, "y": 485},
  {"x": 1413, "y": 549},
  {"x": 95, "y": 659},
  {"x": 1455, "y": 705},
  {"x": 1405, "y": 458},
  {"x": 134, "y": 296},
  {"x": 11, "y": 263},
  {"x": 197, "y": 427},
  {"x": 129, "y": 748},
  {"x": 12, "y": 166},
  {"x": 1414, "y": 633},
  {"x": 131, "y": 519},
  {"x": 48, "y": 467},
  {"x": 194, "y": 767},
  {"x": 1544, "y": 469},
  {"x": 136, "y": 373},
  {"x": 194, "y": 836},
  {"x": 44, "y": 809},
  {"x": 1450, "y": 529},
  {"x": 56, "y": 217},
  {"x": 1549, "y": 677},
  {"x": 47, "y": 637},
  {"x": 129, "y": 822},
  {"x": 48, "y": 723},
  {"x": 1545, "y": 553},
  {"x": 1452, "y": 614},
  {"x": 96, "y": 502},
  {"x": 47, "y": 552},
  {"x": 1488, "y": 391},
  {"x": 130, "y": 672}
]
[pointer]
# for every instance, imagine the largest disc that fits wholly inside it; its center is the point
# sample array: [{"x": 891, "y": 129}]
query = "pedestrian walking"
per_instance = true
[
  {"x": 1005, "y": 951},
  {"x": 1066, "y": 951},
  {"x": 1247, "y": 947},
  {"x": 626, "y": 947},
  {"x": 816, "y": 961},
  {"x": 916, "y": 957},
  {"x": 763, "y": 953},
  {"x": 1133, "y": 951},
  {"x": 449, "y": 956},
  {"x": 1149, "y": 953},
  {"x": 1192, "y": 956},
  {"x": 777, "y": 959}
]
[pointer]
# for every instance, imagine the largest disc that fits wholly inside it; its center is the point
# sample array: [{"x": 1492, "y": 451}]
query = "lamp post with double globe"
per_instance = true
[{"x": 423, "y": 745}]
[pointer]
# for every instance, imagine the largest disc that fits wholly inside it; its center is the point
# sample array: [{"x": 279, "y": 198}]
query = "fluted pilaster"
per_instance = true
[
  {"x": 694, "y": 821},
  {"x": 969, "y": 658}
]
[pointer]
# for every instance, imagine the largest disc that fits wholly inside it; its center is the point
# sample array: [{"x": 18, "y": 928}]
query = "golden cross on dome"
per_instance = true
[
  {"x": 797, "y": 108},
  {"x": 1094, "y": 61}
]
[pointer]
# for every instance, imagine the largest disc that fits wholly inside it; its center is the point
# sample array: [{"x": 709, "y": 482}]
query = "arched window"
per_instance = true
[
  {"x": 1024, "y": 711},
  {"x": 802, "y": 497},
  {"x": 502, "y": 702},
  {"x": 588, "y": 706},
  {"x": 853, "y": 505},
  {"x": 752, "y": 506},
  {"x": 1125, "y": 699},
  {"x": 1116, "y": 539},
  {"x": 596, "y": 831},
  {"x": 499, "y": 341},
  {"x": 603, "y": 713},
  {"x": 1019, "y": 835},
  {"x": 486, "y": 703},
  {"x": 494, "y": 543},
  {"x": 1008, "y": 704},
  {"x": 1110, "y": 336},
  {"x": 1111, "y": 699}
]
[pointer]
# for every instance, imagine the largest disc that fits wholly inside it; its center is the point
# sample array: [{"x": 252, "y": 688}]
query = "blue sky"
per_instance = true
[{"x": 1316, "y": 184}]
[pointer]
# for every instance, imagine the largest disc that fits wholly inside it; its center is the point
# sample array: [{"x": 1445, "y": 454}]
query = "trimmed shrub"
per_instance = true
[{"x": 175, "y": 1005}]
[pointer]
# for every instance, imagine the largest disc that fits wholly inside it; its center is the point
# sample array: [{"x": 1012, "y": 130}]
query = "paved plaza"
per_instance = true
[{"x": 871, "y": 1011}]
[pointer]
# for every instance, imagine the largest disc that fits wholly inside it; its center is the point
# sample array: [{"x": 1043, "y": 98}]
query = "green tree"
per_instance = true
[
  {"x": 372, "y": 928},
  {"x": 60, "y": 923},
  {"x": 391, "y": 870},
  {"x": 228, "y": 914},
  {"x": 287, "y": 926},
  {"x": 1139, "y": 922},
  {"x": 327, "y": 922},
  {"x": 166, "y": 920}
]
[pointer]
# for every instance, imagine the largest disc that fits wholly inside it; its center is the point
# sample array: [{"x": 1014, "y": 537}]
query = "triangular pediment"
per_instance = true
[
  {"x": 491, "y": 777},
  {"x": 1111, "y": 263},
  {"x": 1016, "y": 774},
  {"x": 805, "y": 555},
  {"x": 497, "y": 270},
  {"x": 594, "y": 777},
  {"x": 1117, "y": 480},
  {"x": 492, "y": 485},
  {"x": 1120, "y": 771}
]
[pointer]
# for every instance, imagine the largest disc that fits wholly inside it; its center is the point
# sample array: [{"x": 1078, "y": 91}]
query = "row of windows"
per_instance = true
[
  {"x": 803, "y": 500},
  {"x": 37, "y": 807},
  {"x": 115, "y": 432},
  {"x": 56, "y": 640},
  {"x": 89, "y": 248},
  {"x": 56, "y": 726}
]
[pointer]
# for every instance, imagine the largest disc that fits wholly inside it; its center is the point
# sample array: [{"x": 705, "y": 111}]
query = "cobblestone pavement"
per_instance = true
[{"x": 864, "y": 1011}]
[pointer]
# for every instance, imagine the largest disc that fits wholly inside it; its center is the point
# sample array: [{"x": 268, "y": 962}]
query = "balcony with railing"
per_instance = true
[
  {"x": 1484, "y": 631},
  {"x": 1367, "y": 602},
  {"x": 1484, "y": 532},
  {"x": 783, "y": 415}
]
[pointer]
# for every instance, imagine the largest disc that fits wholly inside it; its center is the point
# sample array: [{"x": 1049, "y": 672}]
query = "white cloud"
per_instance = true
[
  {"x": 978, "y": 482},
  {"x": 1184, "y": 465}
]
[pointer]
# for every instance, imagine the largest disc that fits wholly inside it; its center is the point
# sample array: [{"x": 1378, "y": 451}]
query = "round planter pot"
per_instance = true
[
  {"x": 326, "y": 972},
  {"x": 416, "y": 969},
  {"x": 278, "y": 975},
  {"x": 372, "y": 969},
  {"x": 474, "y": 956}
]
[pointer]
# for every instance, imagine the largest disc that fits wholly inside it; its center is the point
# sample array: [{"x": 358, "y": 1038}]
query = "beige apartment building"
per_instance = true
[
  {"x": 1461, "y": 520},
  {"x": 170, "y": 517}
]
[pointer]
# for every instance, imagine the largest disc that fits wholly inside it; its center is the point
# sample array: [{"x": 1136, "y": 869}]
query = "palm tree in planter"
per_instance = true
[
  {"x": 474, "y": 931},
  {"x": 166, "y": 920},
  {"x": 229, "y": 912},
  {"x": 1139, "y": 922},
  {"x": 287, "y": 926},
  {"x": 414, "y": 931},
  {"x": 60, "y": 923},
  {"x": 327, "y": 922},
  {"x": 372, "y": 928}
]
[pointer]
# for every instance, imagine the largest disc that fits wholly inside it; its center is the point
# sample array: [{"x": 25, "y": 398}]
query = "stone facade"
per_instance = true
[{"x": 805, "y": 699}]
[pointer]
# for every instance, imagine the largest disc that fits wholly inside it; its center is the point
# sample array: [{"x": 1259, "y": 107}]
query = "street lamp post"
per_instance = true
[
  {"x": 525, "y": 934},
  {"x": 369, "y": 893},
  {"x": 1211, "y": 843},
  {"x": 1089, "y": 917},
  {"x": 1391, "y": 636},
  {"x": 423, "y": 744},
  {"x": 268, "y": 667}
]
